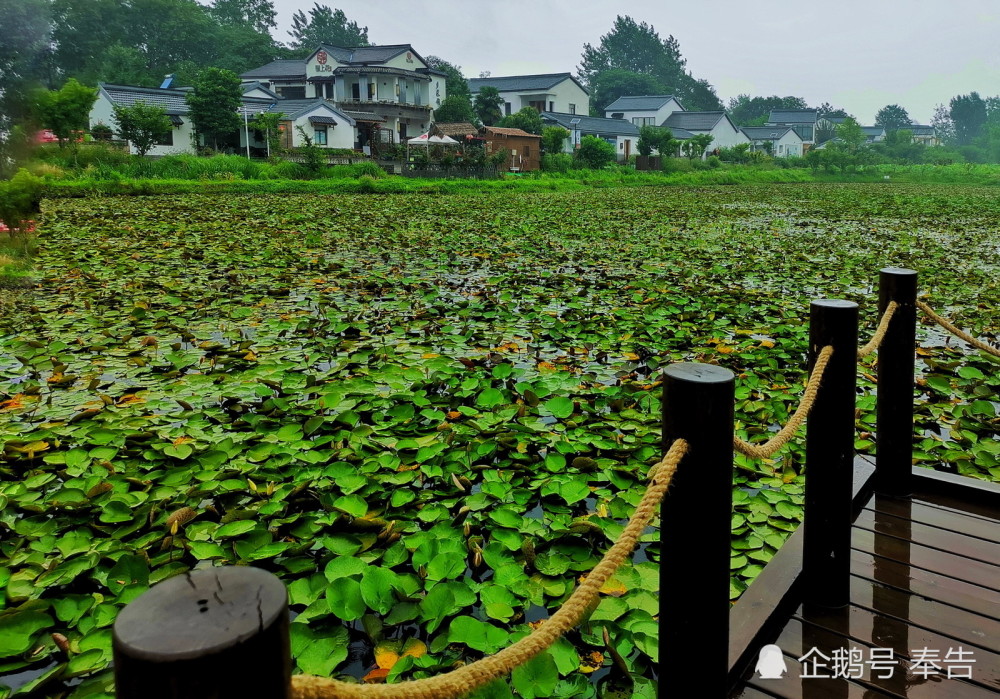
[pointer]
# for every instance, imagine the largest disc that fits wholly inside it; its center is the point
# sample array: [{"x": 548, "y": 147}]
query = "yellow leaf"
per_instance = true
[
  {"x": 767, "y": 343},
  {"x": 430, "y": 355},
  {"x": 631, "y": 356},
  {"x": 387, "y": 654},
  {"x": 182, "y": 440},
  {"x": 613, "y": 587},
  {"x": 724, "y": 349},
  {"x": 376, "y": 676},
  {"x": 414, "y": 647},
  {"x": 250, "y": 357}
]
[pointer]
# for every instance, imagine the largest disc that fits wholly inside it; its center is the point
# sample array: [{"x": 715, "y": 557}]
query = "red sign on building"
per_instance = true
[{"x": 321, "y": 57}]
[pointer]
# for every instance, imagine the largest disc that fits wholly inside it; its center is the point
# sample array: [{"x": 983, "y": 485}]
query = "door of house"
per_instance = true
[{"x": 356, "y": 91}]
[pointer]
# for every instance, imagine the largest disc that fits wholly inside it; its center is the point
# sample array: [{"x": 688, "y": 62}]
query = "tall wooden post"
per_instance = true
[
  {"x": 215, "y": 633},
  {"x": 830, "y": 455},
  {"x": 896, "y": 364},
  {"x": 696, "y": 521}
]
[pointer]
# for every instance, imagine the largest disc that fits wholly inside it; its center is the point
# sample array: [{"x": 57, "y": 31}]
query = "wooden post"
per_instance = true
[
  {"x": 896, "y": 364},
  {"x": 695, "y": 527},
  {"x": 215, "y": 633},
  {"x": 830, "y": 455}
]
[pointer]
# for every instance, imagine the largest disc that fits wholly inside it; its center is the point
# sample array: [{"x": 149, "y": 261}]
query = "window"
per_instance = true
[
  {"x": 527, "y": 151},
  {"x": 644, "y": 121},
  {"x": 617, "y": 115},
  {"x": 552, "y": 106},
  {"x": 320, "y": 139},
  {"x": 572, "y": 109},
  {"x": 371, "y": 91},
  {"x": 292, "y": 93},
  {"x": 356, "y": 91},
  {"x": 166, "y": 138},
  {"x": 506, "y": 108}
]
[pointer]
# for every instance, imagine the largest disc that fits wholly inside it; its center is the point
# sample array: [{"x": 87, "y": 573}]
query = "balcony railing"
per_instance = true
[{"x": 382, "y": 103}]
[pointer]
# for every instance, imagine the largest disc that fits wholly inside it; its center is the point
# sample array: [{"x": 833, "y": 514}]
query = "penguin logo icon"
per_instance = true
[{"x": 770, "y": 663}]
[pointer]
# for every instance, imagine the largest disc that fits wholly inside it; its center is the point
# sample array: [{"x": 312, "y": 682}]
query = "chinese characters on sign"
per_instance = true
[
  {"x": 850, "y": 663},
  {"x": 881, "y": 663}
]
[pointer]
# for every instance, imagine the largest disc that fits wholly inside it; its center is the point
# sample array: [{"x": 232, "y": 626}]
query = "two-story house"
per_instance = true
[
  {"x": 803, "y": 121},
  {"x": 389, "y": 91},
  {"x": 551, "y": 92},
  {"x": 644, "y": 110}
]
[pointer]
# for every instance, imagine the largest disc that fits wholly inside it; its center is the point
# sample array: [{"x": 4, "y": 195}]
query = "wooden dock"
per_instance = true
[{"x": 923, "y": 618}]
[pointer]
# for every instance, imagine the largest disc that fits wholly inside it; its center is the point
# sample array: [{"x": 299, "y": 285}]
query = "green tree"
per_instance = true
[
  {"x": 258, "y": 14},
  {"x": 611, "y": 84},
  {"x": 65, "y": 110},
  {"x": 81, "y": 33},
  {"x": 634, "y": 47},
  {"x": 851, "y": 133},
  {"x": 213, "y": 104},
  {"x": 696, "y": 146},
  {"x": 126, "y": 65},
  {"x": 595, "y": 152},
  {"x": 554, "y": 139},
  {"x": 455, "y": 83},
  {"x": 455, "y": 108},
  {"x": 142, "y": 125},
  {"x": 487, "y": 105},
  {"x": 325, "y": 26},
  {"x": 656, "y": 138},
  {"x": 527, "y": 119},
  {"x": 944, "y": 127},
  {"x": 24, "y": 67},
  {"x": 968, "y": 114},
  {"x": 892, "y": 117}
]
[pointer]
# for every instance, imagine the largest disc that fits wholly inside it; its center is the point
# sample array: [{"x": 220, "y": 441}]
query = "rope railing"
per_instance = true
[
  {"x": 767, "y": 449},
  {"x": 947, "y": 325},
  {"x": 475, "y": 675},
  {"x": 880, "y": 331}
]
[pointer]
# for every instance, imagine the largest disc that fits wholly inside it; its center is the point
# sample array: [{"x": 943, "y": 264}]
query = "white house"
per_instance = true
[
  {"x": 724, "y": 132},
  {"x": 874, "y": 134},
  {"x": 623, "y": 135},
  {"x": 322, "y": 122},
  {"x": 779, "y": 141},
  {"x": 558, "y": 93},
  {"x": 389, "y": 91},
  {"x": 803, "y": 121},
  {"x": 644, "y": 110},
  {"x": 922, "y": 133},
  {"x": 179, "y": 140}
]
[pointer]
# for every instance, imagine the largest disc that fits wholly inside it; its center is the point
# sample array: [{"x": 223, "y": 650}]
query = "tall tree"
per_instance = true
[
  {"x": 892, "y": 117},
  {"x": 611, "y": 84},
  {"x": 944, "y": 127},
  {"x": 213, "y": 104},
  {"x": 257, "y": 14},
  {"x": 698, "y": 95},
  {"x": 81, "y": 33},
  {"x": 851, "y": 133},
  {"x": 65, "y": 110},
  {"x": 634, "y": 47},
  {"x": 325, "y": 26},
  {"x": 126, "y": 65},
  {"x": 455, "y": 83},
  {"x": 25, "y": 26},
  {"x": 968, "y": 113},
  {"x": 487, "y": 105},
  {"x": 828, "y": 110}
]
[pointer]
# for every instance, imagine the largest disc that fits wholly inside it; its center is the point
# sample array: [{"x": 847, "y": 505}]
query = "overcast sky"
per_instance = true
[{"x": 855, "y": 54}]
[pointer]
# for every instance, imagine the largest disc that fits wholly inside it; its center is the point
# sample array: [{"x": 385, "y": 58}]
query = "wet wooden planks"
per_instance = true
[{"x": 925, "y": 595}]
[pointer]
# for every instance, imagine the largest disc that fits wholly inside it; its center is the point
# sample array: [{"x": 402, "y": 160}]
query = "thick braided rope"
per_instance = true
[
  {"x": 766, "y": 450},
  {"x": 468, "y": 678},
  {"x": 979, "y": 344},
  {"x": 883, "y": 326}
]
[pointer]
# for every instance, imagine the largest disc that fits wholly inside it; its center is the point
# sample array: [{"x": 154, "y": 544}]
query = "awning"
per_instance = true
[
  {"x": 176, "y": 120},
  {"x": 364, "y": 116},
  {"x": 322, "y": 120}
]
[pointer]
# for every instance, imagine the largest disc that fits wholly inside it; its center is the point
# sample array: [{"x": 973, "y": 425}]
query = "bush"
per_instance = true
[
  {"x": 596, "y": 153},
  {"x": 557, "y": 162},
  {"x": 713, "y": 161},
  {"x": 20, "y": 198}
]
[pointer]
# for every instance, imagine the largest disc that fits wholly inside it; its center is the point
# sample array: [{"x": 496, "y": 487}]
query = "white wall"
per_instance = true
[
  {"x": 726, "y": 135},
  {"x": 340, "y": 136},
  {"x": 659, "y": 115},
  {"x": 103, "y": 112},
  {"x": 562, "y": 95}
]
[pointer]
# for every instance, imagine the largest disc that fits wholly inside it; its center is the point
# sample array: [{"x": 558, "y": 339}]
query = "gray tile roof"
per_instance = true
[
  {"x": 680, "y": 134},
  {"x": 873, "y": 130},
  {"x": 126, "y": 95},
  {"x": 287, "y": 68},
  {"x": 293, "y": 109},
  {"x": 694, "y": 121},
  {"x": 249, "y": 87},
  {"x": 367, "y": 54},
  {"x": 589, "y": 125},
  {"x": 518, "y": 83},
  {"x": 921, "y": 129},
  {"x": 639, "y": 103},
  {"x": 793, "y": 116},
  {"x": 765, "y": 133},
  {"x": 363, "y": 116}
]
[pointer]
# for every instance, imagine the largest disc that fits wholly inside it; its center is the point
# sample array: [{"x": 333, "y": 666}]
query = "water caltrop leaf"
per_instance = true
[
  {"x": 559, "y": 407},
  {"x": 17, "y": 630},
  {"x": 345, "y": 600},
  {"x": 537, "y": 677},
  {"x": 376, "y": 589},
  {"x": 318, "y": 653}
]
